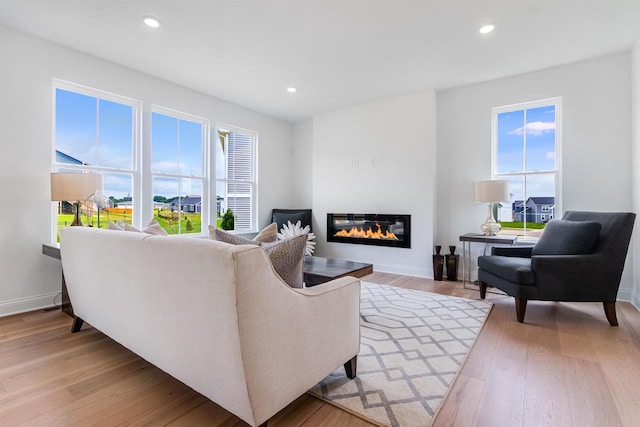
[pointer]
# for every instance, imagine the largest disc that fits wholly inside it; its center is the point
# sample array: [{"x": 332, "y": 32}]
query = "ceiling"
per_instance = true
[{"x": 337, "y": 53}]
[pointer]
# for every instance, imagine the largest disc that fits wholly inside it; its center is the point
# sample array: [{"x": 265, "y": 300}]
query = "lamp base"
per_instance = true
[
  {"x": 76, "y": 217},
  {"x": 490, "y": 227}
]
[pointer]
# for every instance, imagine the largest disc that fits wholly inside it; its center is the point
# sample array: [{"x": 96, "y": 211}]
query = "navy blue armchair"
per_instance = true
[{"x": 578, "y": 258}]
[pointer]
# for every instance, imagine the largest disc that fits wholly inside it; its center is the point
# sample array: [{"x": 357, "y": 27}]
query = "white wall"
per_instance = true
[
  {"x": 596, "y": 146},
  {"x": 635, "y": 123},
  {"x": 393, "y": 143},
  {"x": 302, "y": 197},
  {"x": 27, "y": 66}
]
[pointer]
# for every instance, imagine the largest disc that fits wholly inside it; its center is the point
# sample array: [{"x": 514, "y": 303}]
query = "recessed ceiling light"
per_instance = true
[
  {"x": 151, "y": 22},
  {"x": 487, "y": 29},
  {"x": 291, "y": 89}
]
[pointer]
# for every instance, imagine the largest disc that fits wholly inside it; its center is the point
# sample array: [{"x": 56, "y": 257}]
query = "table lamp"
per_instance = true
[
  {"x": 74, "y": 187},
  {"x": 491, "y": 192}
]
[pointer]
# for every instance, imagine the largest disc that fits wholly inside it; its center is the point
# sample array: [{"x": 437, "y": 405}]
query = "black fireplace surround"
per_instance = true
[{"x": 370, "y": 229}]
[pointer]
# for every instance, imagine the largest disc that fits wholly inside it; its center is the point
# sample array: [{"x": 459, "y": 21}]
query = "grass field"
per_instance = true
[
  {"x": 520, "y": 225},
  {"x": 195, "y": 219}
]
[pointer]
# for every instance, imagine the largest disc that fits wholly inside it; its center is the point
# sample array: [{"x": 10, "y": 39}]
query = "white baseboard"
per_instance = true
[
  {"x": 624, "y": 295},
  {"x": 22, "y": 305},
  {"x": 406, "y": 271}
]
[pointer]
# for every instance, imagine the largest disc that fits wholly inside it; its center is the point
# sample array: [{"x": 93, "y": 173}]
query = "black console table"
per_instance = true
[{"x": 53, "y": 250}]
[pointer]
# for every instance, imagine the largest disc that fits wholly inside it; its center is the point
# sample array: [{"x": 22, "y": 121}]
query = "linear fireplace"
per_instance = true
[{"x": 370, "y": 229}]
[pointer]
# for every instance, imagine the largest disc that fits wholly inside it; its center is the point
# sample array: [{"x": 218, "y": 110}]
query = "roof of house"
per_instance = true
[
  {"x": 543, "y": 200},
  {"x": 191, "y": 200}
]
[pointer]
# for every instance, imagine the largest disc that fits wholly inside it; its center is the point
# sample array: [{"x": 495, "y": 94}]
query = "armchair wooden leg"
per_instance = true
[
  {"x": 351, "y": 366},
  {"x": 77, "y": 324},
  {"x": 521, "y": 307},
  {"x": 610, "y": 312},
  {"x": 483, "y": 289}
]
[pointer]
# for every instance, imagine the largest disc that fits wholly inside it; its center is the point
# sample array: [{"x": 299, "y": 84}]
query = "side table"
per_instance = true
[
  {"x": 468, "y": 238},
  {"x": 53, "y": 250}
]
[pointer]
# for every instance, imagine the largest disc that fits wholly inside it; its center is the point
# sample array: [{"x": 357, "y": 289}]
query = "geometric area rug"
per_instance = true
[{"x": 412, "y": 347}]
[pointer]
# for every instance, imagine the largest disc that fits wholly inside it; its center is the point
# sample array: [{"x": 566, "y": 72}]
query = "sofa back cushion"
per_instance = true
[{"x": 562, "y": 237}]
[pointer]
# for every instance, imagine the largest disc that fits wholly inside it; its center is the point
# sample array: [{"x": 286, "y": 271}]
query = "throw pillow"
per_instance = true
[
  {"x": 153, "y": 227},
  {"x": 287, "y": 258},
  {"x": 288, "y": 230},
  {"x": 225, "y": 236},
  {"x": 266, "y": 235},
  {"x": 113, "y": 226},
  {"x": 562, "y": 237}
]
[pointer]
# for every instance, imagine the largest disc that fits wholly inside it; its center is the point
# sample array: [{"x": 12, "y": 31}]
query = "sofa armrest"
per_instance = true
[
  {"x": 575, "y": 277},
  {"x": 292, "y": 338},
  {"x": 512, "y": 251}
]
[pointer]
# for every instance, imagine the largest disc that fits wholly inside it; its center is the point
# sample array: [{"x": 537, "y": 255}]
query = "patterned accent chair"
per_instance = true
[{"x": 578, "y": 258}]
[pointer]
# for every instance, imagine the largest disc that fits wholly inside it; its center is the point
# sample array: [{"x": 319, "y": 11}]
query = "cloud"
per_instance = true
[
  {"x": 551, "y": 155},
  {"x": 535, "y": 128}
]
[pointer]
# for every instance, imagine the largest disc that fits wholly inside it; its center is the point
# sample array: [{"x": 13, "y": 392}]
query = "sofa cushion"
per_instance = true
[
  {"x": 562, "y": 237},
  {"x": 287, "y": 258},
  {"x": 513, "y": 269}
]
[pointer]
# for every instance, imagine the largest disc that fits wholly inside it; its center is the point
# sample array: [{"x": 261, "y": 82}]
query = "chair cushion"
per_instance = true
[
  {"x": 516, "y": 270},
  {"x": 562, "y": 237}
]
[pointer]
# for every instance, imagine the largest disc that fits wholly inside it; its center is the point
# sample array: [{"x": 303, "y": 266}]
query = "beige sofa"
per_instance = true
[{"x": 215, "y": 316}]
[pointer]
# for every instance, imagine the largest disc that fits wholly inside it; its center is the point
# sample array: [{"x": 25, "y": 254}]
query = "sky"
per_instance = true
[
  {"x": 526, "y": 142},
  {"x": 82, "y": 121}
]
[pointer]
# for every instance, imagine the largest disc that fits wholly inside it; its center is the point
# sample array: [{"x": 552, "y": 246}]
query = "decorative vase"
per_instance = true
[
  {"x": 452, "y": 264},
  {"x": 438, "y": 264}
]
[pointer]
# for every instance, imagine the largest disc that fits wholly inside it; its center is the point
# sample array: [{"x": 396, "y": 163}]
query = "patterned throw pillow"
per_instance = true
[
  {"x": 266, "y": 235},
  {"x": 225, "y": 236},
  {"x": 287, "y": 258}
]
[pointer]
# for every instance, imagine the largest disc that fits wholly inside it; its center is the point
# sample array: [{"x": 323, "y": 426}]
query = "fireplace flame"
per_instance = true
[{"x": 368, "y": 234}]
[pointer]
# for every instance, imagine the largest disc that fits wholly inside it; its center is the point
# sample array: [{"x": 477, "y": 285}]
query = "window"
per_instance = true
[
  {"x": 235, "y": 175},
  {"x": 169, "y": 179},
  {"x": 526, "y": 152},
  {"x": 97, "y": 132},
  {"x": 179, "y": 173}
]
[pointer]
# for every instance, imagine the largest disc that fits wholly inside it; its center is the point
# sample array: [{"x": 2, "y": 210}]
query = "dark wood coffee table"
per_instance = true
[{"x": 319, "y": 270}]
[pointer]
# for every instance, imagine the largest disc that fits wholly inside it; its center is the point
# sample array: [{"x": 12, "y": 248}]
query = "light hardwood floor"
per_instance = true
[{"x": 564, "y": 367}]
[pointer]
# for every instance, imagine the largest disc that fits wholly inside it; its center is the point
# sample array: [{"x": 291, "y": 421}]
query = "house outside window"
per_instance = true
[
  {"x": 526, "y": 148},
  {"x": 235, "y": 154},
  {"x": 179, "y": 171},
  {"x": 97, "y": 132},
  {"x": 170, "y": 179}
]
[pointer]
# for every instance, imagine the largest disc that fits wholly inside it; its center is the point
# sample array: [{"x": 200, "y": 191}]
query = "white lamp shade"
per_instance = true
[
  {"x": 491, "y": 191},
  {"x": 74, "y": 186}
]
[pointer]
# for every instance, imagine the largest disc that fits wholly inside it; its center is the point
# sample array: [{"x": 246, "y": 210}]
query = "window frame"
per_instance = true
[
  {"x": 557, "y": 171},
  {"x": 206, "y": 167},
  {"x": 253, "y": 184},
  {"x": 135, "y": 172}
]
